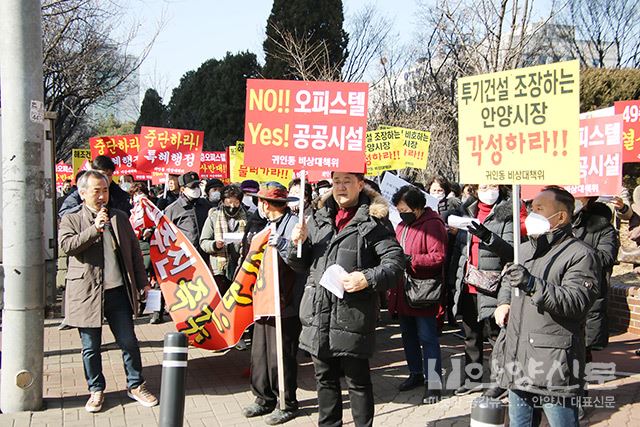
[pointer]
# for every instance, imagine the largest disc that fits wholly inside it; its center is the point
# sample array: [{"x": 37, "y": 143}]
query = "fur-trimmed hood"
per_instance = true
[{"x": 378, "y": 206}]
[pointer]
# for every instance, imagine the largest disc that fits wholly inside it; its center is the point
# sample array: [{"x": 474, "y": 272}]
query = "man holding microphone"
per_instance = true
[{"x": 105, "y": 273}]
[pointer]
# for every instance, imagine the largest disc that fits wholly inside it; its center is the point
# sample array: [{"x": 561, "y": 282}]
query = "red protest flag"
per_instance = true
[
  {"x": 190, "y": 292},
  {"x": 305, "y": 125}
]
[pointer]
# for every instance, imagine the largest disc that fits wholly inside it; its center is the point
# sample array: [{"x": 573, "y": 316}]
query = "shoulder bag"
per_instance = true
[{"x": 420, "y": 293}]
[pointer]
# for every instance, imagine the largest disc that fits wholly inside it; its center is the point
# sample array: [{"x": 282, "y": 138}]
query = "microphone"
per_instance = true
[{"x": 105, "y": 225}]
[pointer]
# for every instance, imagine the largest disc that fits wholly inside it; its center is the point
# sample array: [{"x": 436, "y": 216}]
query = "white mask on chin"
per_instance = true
[{"x": 489, "y": 197}]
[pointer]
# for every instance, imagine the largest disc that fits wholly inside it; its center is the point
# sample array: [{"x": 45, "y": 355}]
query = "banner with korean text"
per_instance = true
[
  {"x": 601, "y": 155},
  {"x": 239, "y": 171},
  {"x": 122, "y": 149},
  {"x": 384, "y": 151},
  {"x": 63, "y": 173},
  {"x": 630, "y": 111},
  {"x": 80, "y": 158},
  {"x": 305, "y": 125},
  {"x": 172, "y": 151},
  {"x": 209, "y": 320},
  {"x": 520, "y": 126},
  {"x": 213, "y": 164}
]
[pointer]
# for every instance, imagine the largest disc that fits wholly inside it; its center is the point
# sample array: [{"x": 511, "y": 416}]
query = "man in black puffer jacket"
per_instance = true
[
  {"x": 348, "y": 229},
  {"x": 540, "y": 356},
  {"x": 592, "y": 225}
]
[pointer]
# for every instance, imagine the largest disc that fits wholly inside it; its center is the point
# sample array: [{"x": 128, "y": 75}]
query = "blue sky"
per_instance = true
[{"x": 197, "y": 30}]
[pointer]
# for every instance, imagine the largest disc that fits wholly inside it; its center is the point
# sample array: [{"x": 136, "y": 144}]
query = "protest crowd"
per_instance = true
[{"x": 460, "y": 250}]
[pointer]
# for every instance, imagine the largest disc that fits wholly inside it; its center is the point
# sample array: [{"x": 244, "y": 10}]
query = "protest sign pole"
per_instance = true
[
  {"x": 515, "y": 197},
  {"x": 166, "y": 184},
  {"x": 278, "y": 315},
  {"x": 303, "y": 179}
]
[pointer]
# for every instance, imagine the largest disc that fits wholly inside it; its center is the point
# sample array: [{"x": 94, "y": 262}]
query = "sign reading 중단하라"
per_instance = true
[
  {"x": 305, "y": 125},
  {"x": 520, "y": 126},
  {"x": 172, "y": 151}
]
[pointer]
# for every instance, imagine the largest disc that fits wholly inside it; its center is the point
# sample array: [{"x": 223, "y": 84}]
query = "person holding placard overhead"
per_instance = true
[
  {"x": 485, "y": 249},
  {"x": 349, "y": 229},
  {"x": 544, "y": 302}
]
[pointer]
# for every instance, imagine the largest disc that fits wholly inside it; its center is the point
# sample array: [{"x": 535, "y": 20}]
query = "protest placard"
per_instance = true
[
  {"x": 239, "y": 171},
  {"x": 173, "y": 151},
  {"x": 520, "y": 126},
  {"x": 415, "y": 145},
  {"x": 390, "y": 185},
  {"x": 306, "y": 125},
  {"x": 213, "y": 164},
  {"x": 630, "y": 111},
  {"x": 79, "y": 159},
  {"x": 384, "y": 151},
  {"x": 63, "y": 173},
  {"x": 600, "y": 159},
  {"x": 122, "y": 149}
]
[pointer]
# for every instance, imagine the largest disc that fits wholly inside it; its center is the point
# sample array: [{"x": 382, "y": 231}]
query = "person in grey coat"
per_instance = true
[
  {"x": 544, "y": 302},
  {"x": 349, "y": 229}
]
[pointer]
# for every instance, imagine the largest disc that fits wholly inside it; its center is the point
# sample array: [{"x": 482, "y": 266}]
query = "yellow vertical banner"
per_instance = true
[
  {"x": 521, "y": 126},
  {"x": 78, "y": 157}
]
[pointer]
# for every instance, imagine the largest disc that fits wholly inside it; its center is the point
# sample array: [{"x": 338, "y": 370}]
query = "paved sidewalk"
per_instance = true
[{"x": 216, "y": 390}]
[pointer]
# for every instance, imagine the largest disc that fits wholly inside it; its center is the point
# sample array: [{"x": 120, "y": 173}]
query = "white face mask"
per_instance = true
[
  {"x": 489, "y": 197},
  {"x": 577, "y": 207},
  {"x": 438, "y": 196},
  {"x": 214, "y": 196},
  {"x": 193, "y": 193},
  {"x": 537, "y": 224},
  {"x": 323, "y": 191},
  {"x": 126, "y": 186}
]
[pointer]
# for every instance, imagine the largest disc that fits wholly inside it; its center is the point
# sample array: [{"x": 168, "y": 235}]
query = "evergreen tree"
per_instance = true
[
  {"x": 212, "y": 99},
  {"x": 152, "y": 111},
  {"x": 310, "y": 23}
]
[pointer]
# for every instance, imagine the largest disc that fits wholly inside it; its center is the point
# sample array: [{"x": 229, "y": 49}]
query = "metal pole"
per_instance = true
[
  {"x": 174, "y": 380},
  {"x": 276, "y": 303},
  {"x": 301, "y": 219},
  {"x": 23, "y": 196},
  {"x": 166, "y": 185},
  {"x": 515, "y": 197}
]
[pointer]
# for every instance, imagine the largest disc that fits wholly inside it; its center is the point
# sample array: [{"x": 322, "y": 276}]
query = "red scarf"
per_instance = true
[
  {"x": 483, "y": 213},
  {"x": 343, "y": 216}
]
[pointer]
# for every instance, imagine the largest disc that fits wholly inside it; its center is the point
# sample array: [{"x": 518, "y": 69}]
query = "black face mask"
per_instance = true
[
  {"x": 407, "y": 217},
  {"x": 231, "y": 211}
]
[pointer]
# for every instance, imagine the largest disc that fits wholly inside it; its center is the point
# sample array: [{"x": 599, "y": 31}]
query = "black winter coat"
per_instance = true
[
  {"x": 333, "y": 327},
  {"x": 492, "y": 256},
  {"x": 542, "y": 349},
  {"x": 593, "y": 226}
]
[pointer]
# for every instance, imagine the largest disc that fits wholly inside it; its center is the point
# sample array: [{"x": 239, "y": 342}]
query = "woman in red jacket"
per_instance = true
[{"x": 423, "y": 237}]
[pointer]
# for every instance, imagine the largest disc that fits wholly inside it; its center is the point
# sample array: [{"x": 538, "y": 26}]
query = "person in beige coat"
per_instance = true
[{"x": 105, "y": 274}]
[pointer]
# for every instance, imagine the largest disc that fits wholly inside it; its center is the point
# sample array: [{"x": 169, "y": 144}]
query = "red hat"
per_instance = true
[{"x": 275, "y": 192}]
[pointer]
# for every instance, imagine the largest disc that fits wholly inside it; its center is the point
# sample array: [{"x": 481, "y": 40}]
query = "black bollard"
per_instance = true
[
  {"x": 174, "y": 379},
  {"x": 487, "y": 412}
]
